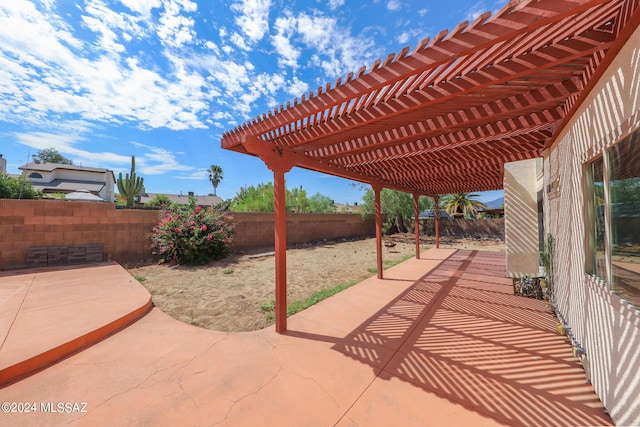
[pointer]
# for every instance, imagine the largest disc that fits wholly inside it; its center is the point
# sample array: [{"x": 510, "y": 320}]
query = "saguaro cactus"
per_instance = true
[{"x": 131, "y": 185}]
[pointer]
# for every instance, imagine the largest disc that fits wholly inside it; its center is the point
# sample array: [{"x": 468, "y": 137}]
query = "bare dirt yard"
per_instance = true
[{"x": 228, "y": 295}]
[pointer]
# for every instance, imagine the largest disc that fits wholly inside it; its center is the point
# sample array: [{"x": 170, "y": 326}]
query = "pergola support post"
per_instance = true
[
  {"x": 279, "y": 163},
  {"x": 436, "y": 200},
  {"x": 416, "y": 216},
  {"x": 376, "y": 191},
  {"x": 280, "y": 229}
]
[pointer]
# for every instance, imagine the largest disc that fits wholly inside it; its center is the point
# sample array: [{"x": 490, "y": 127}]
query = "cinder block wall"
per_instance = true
[
  {"x": 256, "y": 230},
  {"x": 125, "y": 233},
  {"x": 466, "y": 228},
  {"x": 31, "y": 223}
]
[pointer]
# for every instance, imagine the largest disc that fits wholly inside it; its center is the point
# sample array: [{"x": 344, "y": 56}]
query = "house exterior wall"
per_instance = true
[
  {"x": 607, "y": 326},
  {"x": 105, "y": 178},
  {"x": 521, "y": 218},
  {"x": 108, "y": 192},
  {"x": 46, "y": 176}
]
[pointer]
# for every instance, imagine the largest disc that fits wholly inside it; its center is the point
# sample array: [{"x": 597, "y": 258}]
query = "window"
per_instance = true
[
  {"x": 35, "y": 175},
  {"x": 613, "y": 218},
  {"x": 596, "y": 261}
]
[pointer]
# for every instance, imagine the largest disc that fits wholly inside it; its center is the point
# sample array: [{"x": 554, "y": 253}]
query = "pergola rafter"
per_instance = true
[
  {"x": 429, "y": 132},
  {"x": 445, "y": 117}
]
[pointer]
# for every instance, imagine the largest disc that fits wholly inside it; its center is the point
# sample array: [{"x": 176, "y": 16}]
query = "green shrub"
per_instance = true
[
  {"x": 17, "y": 188},
  {"x": 160, "y": 200},
  {"x": 191, "y": 235}
]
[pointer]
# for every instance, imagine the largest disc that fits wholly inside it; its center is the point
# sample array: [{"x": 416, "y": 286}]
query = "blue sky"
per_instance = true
[{"x": 163, "y": 79}]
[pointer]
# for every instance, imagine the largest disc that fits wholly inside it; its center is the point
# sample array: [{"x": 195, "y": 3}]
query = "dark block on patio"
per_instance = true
[
  {"x": 57, "y": 255},
  {"x": 93, "y": 253},
  {"x": 76, "y": 254},
  {"x": 37, "y": 257}
]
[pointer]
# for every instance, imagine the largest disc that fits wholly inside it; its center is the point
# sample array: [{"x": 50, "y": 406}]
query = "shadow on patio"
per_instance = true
[
  {"x": 459, "y": 333},
  {"x": 449, "y": 347}
]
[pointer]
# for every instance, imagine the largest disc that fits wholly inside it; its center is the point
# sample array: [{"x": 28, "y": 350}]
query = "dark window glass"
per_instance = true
[
  {"x": 596, "y": 222},
  {"x": 624, "y": 190},
  {"x": 35, "y": 175}
]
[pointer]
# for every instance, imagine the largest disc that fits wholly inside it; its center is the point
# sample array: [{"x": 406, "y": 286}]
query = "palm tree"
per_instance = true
[
  {"x": 462, "y": 204},
  {"x": 215, "y": 176}
]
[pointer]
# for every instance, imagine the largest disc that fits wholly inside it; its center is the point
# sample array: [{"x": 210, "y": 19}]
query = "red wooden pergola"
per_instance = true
[{"x": 446, "y": 117}]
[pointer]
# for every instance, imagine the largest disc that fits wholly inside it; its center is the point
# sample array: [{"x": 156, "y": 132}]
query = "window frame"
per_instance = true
[{"x": 590, "y": 217}]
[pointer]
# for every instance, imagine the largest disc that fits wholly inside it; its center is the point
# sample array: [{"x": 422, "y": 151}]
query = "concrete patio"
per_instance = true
[{"x": 439, "y": 341}]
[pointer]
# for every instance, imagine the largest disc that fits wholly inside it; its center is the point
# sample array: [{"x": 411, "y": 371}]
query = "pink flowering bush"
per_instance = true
[{"x": 191, "y": 235}]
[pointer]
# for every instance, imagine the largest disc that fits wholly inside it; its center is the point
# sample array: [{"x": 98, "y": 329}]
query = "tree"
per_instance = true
[
  {"x": 215, "y": 176},
  {"x": 158, "y": 201},
  {"x": 297, "y": 200},
  {"x": 321, "y": 204},
  {"x": 395, "y": 205},
  {"x": 260, "y": 199},
  {"x": 51, "y": 155},
  {"x": 17, "y": 188},
  {"x": 253, "y": 199},
  {"x": 461, "y": 205},
  {"x": 131, "y": 185}
]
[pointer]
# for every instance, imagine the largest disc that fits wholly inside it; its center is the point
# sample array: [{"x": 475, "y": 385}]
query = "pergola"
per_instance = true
[{"x": 446, "y": 117}]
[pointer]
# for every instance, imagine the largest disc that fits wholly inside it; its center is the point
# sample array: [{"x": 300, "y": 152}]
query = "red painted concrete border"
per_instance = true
[{"x": 47, "y": 315}]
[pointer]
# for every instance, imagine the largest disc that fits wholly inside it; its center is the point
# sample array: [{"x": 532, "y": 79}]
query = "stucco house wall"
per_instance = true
[
  {"x": 59, "y": 178},
  {"x": 521, "y": 218},
  {"x": 607, "y": 326}
]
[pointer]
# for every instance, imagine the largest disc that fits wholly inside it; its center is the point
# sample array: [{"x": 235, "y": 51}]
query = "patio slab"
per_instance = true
[
  {"x": 48, "y": 314},
  {"x": 421, "y": 347}
]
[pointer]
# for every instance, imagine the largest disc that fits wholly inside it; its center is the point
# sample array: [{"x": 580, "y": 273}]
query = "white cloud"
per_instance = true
[
  {"x": 158, "y": 161},
  {"x": 317, "y": 31},
  {"x": 175, "y": 29},
  {"x": 475, "y": 10},
  {"x": 197, "y": 175},
  {"x": 253, "y": 17},
  {"x": 394, "y": 5},
  {"x": 66, "y": 144},
  {"x": 334, "y": 4},
  {"x": 403, "y": 37},
  {"x": 239, "y": 41},
  {"x": 46, "y": 72},
  {"x": 143, "y": 64},
  {"x": 142, "y": 7},
  {"x": 297, "y": 87},
  {"x": 326, "y": 44},
  {"x": 111, "y": 26},
  {"x": 288, "y": 55}
]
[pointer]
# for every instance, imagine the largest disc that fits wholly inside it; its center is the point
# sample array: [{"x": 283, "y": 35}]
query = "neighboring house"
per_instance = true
[
  {"x": 431, "y": 214},
  {"x": 3, "y": 164},
  {"x": 51, "y": 178},
  {"x": 491, "y": 213},
  {"x": 342, "y": 208},
  {"x": 183, "y": 199}
]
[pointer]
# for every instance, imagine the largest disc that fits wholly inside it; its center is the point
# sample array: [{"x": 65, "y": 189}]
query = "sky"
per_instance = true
[{"x": 162, "y": 80}]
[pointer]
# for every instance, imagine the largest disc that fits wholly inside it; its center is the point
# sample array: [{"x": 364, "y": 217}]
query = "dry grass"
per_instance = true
[{"x": 227, "y": 295}]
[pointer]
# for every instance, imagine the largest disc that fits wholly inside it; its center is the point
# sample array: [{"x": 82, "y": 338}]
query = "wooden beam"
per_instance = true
[
  {"x": 416, "y": 221},
  {"x": 376, "y": 191},
  {"x": 280, "y": 213},
  {"x": 436, "y": 201}
]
